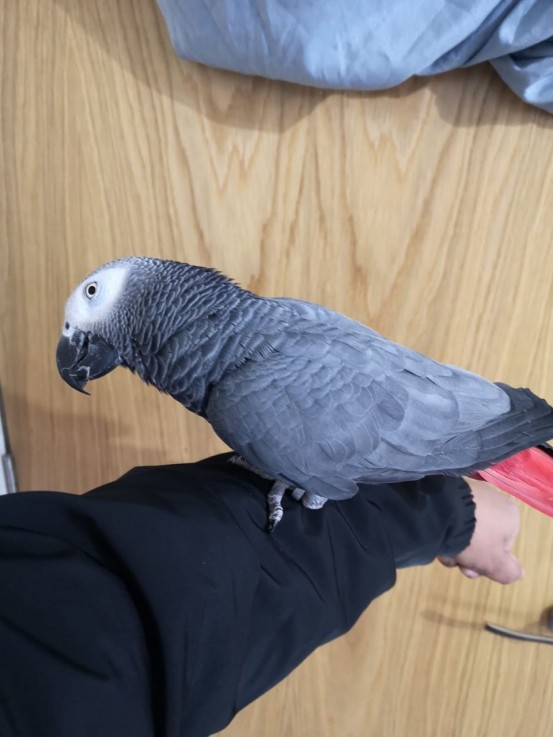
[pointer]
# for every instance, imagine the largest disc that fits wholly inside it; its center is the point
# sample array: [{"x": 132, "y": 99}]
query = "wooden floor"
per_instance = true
[{"x": 425, "y": 212}]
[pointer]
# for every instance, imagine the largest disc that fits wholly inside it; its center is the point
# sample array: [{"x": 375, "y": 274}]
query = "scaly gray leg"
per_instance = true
[{"x": 243, "y": 463}]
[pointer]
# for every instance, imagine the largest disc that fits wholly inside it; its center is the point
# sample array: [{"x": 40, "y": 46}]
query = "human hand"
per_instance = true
[{"x": 497, "y": 526}]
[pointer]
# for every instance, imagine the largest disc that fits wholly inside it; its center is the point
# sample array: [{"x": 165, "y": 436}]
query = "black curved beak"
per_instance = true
[{"x": 82, "y": 357}]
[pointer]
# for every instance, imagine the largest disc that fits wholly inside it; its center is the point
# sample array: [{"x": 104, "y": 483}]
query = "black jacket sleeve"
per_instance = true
[{"x": 159, "y": 605}]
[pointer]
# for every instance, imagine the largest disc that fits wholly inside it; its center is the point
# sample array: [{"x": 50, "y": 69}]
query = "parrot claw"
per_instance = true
[{"x": 274, "y": 502}]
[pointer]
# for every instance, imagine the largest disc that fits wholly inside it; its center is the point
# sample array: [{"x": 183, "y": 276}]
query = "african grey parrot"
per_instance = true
[{"x": 315, "y": 400}]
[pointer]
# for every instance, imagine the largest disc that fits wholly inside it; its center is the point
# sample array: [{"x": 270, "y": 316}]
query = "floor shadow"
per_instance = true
[
  {"x": 227, "y": 98},
  {"x": 540, "y": 626},
  {"x": 469, "y": 98},
  {"x": 457, "y": 623}
]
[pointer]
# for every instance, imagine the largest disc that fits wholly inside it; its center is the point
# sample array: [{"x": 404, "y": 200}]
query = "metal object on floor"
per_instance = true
[
  {"x": 7, "y": 470},
  {"x": 526, "y": 636}
]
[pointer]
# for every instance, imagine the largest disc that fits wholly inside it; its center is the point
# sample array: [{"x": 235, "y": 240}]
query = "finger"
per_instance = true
[
  {"x": 469, "y": 572},
  {"x": 508, "y": 571}
]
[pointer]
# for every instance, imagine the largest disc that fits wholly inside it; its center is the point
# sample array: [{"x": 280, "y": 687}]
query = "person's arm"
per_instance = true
[{"x": 161, "y": 603}]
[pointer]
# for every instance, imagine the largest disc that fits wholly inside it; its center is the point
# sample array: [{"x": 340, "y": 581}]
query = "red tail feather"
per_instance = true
[{"x": 528, "y": 475}]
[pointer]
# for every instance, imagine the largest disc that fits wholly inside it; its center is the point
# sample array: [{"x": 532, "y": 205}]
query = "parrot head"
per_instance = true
[
  {"x": 115, "y": 317},
  {"x": 89, "y": 347},
  {"x": 128, "y": 313}
]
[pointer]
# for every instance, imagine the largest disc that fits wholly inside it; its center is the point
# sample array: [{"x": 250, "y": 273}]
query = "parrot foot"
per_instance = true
[
  {"x": 274, "y": 502},
  {"x": 275, "y": 496},
  {"x": 313, "y": 501},
  {"x": 308, "y": 499}
]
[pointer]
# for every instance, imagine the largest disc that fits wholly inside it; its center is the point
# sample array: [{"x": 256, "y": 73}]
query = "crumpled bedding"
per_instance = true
[{"x": 369, "y": 44}]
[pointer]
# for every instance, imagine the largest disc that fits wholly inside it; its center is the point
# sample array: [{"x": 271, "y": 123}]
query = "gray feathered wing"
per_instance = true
[{"x": 329, "y": 404}]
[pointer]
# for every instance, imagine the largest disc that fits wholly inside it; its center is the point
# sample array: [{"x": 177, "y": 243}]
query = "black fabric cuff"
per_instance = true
[{"x": 425, "y": 518}]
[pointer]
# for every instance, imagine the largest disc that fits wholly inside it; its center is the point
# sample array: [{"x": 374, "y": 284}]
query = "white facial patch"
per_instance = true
[{"x": 94, "y": 298}]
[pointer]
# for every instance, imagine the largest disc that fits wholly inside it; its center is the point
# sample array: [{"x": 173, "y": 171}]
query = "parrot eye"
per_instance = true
[{"x": 91, "y": 289}]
